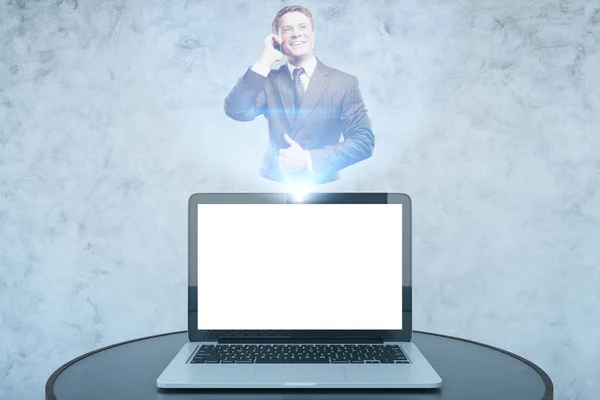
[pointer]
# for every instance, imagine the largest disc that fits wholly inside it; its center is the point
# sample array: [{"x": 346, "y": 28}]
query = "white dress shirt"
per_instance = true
[{"x": 309, "y": 68}]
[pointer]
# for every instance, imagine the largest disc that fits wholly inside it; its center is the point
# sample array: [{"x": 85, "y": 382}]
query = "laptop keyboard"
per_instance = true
[{"x": 300, "y": 354}]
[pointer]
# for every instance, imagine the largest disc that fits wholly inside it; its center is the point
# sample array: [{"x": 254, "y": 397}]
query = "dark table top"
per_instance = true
[{"x": 469, "y": 370}]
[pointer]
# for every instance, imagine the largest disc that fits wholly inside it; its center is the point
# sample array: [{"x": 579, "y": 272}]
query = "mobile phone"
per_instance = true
[{"x": 277, "y": 46}]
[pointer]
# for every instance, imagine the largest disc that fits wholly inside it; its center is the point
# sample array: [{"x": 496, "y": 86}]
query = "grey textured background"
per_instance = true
[{"x": 485, "y": 112}]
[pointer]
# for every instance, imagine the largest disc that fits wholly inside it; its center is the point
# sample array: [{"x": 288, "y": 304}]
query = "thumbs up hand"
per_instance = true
[
  {"x": 290, "y": 141},
  {"x": 292, "y": 159}
]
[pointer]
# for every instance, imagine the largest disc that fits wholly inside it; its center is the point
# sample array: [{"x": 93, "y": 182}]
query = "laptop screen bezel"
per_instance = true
[{"x": 297, "y": 336}]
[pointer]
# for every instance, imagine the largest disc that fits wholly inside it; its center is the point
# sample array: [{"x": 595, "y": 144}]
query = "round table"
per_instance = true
[{"x": 469, "y": 370}]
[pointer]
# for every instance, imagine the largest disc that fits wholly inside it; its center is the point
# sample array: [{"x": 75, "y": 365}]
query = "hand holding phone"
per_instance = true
[
  {"x": 272, "y": 50},
  {"x": 277, "y": 41}
]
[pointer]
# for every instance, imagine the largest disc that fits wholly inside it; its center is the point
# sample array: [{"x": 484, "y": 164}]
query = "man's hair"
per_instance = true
[{"x": 289, "y": 9}]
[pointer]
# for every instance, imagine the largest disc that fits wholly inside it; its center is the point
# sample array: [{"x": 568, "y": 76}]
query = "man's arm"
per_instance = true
[
  {"x": 359, "y": 140},
  {"x": 247, "y": 99}
]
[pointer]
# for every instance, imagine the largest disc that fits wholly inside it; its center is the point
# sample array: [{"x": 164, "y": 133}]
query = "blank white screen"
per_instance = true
[{"x": 300, "y": 266}]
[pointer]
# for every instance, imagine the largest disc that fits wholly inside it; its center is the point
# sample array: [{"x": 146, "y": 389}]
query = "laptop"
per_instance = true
[{"x": 299, "y": 291}]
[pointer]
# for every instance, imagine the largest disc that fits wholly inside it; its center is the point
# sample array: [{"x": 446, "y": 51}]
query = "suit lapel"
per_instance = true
[
  {"x": 316, "y": 86},
  {"x": 286, "y": 92}
]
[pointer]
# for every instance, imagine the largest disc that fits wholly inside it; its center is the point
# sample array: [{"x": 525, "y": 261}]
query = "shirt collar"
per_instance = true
[{"x": 309, "y": 67}]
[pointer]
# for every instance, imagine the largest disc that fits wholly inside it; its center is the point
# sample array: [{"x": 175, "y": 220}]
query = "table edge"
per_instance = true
[
  {"x": 548, "y": 394},
  {"x": 49, "y": 388}
]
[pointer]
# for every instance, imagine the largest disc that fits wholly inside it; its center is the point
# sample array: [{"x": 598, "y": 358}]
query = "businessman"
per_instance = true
[{"x": 308, "y": 105}]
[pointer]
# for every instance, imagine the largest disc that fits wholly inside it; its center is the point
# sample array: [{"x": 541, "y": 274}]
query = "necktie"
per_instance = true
[{"x": 298, "y": 88}]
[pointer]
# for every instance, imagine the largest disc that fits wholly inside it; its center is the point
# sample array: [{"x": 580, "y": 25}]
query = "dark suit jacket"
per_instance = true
[{"x": 332, "y": 106}]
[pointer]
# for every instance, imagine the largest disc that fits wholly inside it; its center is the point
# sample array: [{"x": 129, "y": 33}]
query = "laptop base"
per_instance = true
[{"x": 180, "y": 374}]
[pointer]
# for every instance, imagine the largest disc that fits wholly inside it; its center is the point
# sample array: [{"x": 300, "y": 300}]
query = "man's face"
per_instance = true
[{"x": 295, "y": 29}]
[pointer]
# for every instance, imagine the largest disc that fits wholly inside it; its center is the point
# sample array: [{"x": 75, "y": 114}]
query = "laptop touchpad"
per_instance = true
[{"x": 299, "y": 374}]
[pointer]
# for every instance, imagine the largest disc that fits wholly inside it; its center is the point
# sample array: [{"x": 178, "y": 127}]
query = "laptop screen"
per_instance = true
[{"x": 299, "y": 266}]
